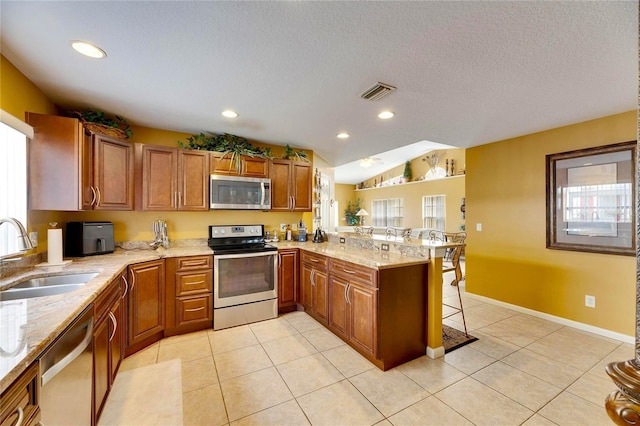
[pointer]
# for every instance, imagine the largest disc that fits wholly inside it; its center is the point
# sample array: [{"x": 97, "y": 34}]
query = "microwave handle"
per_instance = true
[{"x": 264, "y": 193}]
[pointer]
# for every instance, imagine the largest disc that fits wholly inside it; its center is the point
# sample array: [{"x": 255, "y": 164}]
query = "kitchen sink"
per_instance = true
[{"x": 46, "y": 286}]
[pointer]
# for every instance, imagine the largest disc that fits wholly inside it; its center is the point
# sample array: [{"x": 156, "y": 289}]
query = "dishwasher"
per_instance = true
[{"x": 66, "y": 372}]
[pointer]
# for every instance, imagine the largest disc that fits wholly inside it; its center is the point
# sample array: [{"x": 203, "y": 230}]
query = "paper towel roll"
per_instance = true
[{"x": 54, "y": 246}]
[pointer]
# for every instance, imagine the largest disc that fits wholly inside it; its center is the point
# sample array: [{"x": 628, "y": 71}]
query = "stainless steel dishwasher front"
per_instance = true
[{"x": 66, "y": 373}]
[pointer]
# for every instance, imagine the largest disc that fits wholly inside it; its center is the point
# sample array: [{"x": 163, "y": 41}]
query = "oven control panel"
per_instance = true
[{"x": 226, "y": 231}]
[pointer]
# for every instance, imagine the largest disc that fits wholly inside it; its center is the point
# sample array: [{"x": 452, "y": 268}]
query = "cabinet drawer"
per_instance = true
[
  {"x": 314, "y": 259},
  {"x": 106, "y": 299},
  {"x": 193, "y": 262},
  {"x": 194, "y": 309},
  {"x": 352, "y": 271},
  {"x": 23, "y": 394},
  {"x": 194, "y": 282}
]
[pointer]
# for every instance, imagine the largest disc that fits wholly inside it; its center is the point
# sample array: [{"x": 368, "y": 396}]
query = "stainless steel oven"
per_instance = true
[{"x": 245, "y": 276}]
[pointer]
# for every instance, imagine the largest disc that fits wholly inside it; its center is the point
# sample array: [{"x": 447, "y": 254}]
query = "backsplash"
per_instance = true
[{"x": 10, "y": 267}]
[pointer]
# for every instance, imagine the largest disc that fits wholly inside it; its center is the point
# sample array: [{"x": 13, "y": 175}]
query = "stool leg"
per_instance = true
[{"x": 464, "y": 322}]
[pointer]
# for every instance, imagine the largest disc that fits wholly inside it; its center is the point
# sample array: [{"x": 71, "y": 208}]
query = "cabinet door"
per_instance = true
[
  {"x": 363, "y": 303},
  {"x": 338, "y": 308},
  {"x": 145, "y": 301},
  {"x": 321, "y": 294},
  {"x": 288, "y": 286},
  {"x": 193, "y": 180},
  {"x": 301, "y": 186},
  {"x": 113, "y": 173},
  {"x": 306, "y": 287},
  {"x": 115, "y": 336},
  {"x": 255, "y": 167},
  {"x": 222, "y": 165},
  {"x": 280, "y": 194},
  {"x": 101, "y": 372},
  {"x": 55, "y": 167},
  {"x": 159, "y": 177}
]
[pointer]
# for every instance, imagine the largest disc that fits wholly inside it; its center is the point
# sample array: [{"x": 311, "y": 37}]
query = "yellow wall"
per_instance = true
[
  {"x": 18, "y": 94},
  {"x": 412, "y": 193},
  {"x": 508, "y": 261}
]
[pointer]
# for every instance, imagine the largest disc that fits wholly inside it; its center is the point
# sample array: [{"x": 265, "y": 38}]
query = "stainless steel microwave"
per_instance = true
[{"x": 239, "y": 193}]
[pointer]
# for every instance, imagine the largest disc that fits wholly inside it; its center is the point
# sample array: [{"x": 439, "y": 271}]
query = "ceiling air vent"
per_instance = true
[{"x": 377, "y": 91}]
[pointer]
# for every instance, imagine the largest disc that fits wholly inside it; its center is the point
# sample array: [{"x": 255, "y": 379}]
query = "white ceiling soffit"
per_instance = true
[
  {"x": 354, "y": 173},
  {"x": 467, "y": 73}
]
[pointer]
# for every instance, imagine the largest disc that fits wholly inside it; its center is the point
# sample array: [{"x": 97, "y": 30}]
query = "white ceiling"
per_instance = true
[{"x": 467, "y": 73}]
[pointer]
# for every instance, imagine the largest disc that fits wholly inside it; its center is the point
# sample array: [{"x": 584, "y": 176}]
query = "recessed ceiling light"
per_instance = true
[
  {"x": 230, "y": 114},
  {"x": 385, "y": 115},
  {"x": 342, "y": 135},
  {"x": 88, "y": 49}
]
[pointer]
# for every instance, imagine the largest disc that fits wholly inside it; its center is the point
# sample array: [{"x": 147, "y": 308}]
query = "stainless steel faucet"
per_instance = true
[{"x": 24, "y": 243}]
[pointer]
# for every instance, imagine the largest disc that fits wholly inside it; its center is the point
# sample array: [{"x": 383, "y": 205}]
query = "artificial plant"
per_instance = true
[{"x": 351, "y": 211}]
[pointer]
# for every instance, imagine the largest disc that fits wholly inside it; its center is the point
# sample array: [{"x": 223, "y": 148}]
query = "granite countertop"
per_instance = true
[
  {"x": 28, "y": 326},
  {"x": 376, "y": 258}
]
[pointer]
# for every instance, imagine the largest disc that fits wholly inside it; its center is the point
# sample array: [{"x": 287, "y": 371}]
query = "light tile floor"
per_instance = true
[{"x": 523, "y": 370}]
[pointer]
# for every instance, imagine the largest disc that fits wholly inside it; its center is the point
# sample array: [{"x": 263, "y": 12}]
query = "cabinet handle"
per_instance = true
[
  {"x": 20, "y": 416},
  {"x": 115, "y": 325},
  {"x": 195, "y": 282},
  {"x": 179, "y": 198},
  {"x": 312, "y": 277},
  {"x": 99, "y": 197},
  {"x": 195, "y": 309},
  {"x": 194, "y": 263},
  {"x": 279, "y": 260},
  {"x": 93, "y": 195},
  {"x": 133, "y": 280},
  {"x": 346, "y": 293},
  {"x": 313, "y": 260},
  {"x": 293, "y": 203},
  {"x": 126, "y": 286},
  {"x": 348, "y": 271}
]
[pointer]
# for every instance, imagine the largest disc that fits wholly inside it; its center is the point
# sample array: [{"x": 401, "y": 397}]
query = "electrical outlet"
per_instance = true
[
  {"x": 479, "y": 227},
  {"x": 589, "y": 301},
  {"x": 33, "y": 237},
  {"x": 283, "y": 227},
  {"x": 341, "y": 240},
  {"x": 384, "y": 247}
]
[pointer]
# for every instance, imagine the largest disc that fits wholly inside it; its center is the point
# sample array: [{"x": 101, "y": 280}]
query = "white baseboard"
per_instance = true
[
  {"x": 435, "y": 353},
  {"x": 570, "y": 323}
]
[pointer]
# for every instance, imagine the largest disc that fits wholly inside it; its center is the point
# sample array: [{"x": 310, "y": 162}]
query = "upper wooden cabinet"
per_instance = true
[
  {"x": 247, "y": 166},
  {"x": 171, "y": 178},
  {"x": 70, "y": 169},
  {"x": 291, "y": 185}
]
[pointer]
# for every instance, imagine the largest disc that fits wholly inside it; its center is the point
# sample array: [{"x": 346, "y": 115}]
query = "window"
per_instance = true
[
  {"x": 13, "y": 178},
  {"x": 387, "y": 212},
  {"x": 434, "y": 211}
]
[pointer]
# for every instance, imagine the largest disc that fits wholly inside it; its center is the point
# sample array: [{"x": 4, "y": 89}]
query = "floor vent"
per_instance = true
[{"x": 377, "y": 91}]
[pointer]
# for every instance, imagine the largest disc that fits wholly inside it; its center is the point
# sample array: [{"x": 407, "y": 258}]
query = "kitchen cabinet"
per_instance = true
[
  {"x": 189, "y": 287},
  {"x": 21, "y": 398},
  {"x": 222, "y": 164},
  {"x": 107, "y": 340},
  {"x": 288, "y": 280},
  {"x": 314, "y": 285},
  {"x": 291, "y": 185},
  {"x": 145, "y": 305},
  {"x": 171, "y": 178},
  {"x": 71, "y": 169},
  {"x": 353, "y": 304}
]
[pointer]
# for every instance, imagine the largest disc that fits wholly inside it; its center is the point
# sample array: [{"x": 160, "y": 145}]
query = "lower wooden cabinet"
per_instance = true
[
  {"x": 145, "y": 305},
  {"x": 21, "y": 399},
  {"x": 314, "y": 285},
  {"x": 353, "y": 307},
  {"x": 288, "y": 280},
  {"x": 189, "y": 293},
  {"x": 108, "y": 340}
]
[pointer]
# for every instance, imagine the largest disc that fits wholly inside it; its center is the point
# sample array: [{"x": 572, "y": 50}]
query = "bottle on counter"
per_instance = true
[{"x": 289, "y": 234}]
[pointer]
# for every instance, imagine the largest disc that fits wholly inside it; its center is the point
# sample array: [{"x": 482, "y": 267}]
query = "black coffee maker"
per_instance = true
[{"x": 318, "y": 236}]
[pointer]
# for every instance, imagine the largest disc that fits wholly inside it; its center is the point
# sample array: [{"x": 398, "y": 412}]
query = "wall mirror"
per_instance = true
[{"x": 591, "y": 198}]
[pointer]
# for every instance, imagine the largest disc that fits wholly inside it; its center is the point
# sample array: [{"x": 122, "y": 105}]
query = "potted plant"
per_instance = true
[
  {"x": 408, "y": 174},
  {"x": 97, "y": 121},
  {"x": 351, "y": 211}
]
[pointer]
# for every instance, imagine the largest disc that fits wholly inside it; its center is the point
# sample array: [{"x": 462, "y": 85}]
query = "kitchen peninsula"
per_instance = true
[{"x": 395, "y": 273}]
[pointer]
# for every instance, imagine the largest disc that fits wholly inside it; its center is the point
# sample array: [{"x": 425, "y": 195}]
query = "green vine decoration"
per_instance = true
[
  {"x": 99, "y": 117},
  {"x": 291, "y": 154},
  {"x": 226, "y": 143}
]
